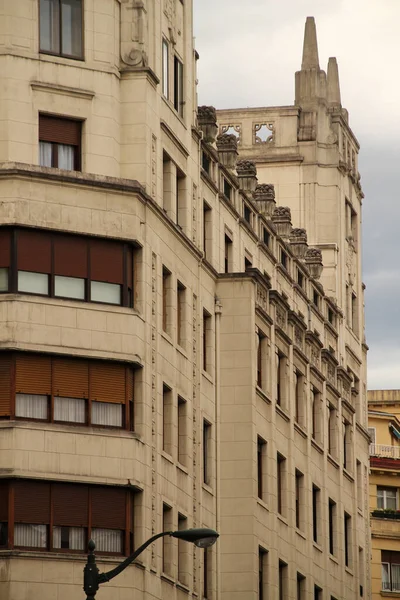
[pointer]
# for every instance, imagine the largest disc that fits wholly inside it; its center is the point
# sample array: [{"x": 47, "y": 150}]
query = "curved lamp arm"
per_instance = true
[{"x": 103, "y": 577}]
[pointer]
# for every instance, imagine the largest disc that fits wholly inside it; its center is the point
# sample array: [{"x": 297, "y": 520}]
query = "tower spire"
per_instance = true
[
  {"x": 310, "y": 46},
  {"x": 333, "y": 86}
]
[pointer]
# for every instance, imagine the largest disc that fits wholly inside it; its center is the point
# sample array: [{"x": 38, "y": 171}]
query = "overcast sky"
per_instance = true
[{"x": 249, "y": 52}]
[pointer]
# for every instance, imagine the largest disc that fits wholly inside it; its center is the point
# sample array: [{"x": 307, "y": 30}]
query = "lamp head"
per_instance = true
[{"x": 202, "y": 537}]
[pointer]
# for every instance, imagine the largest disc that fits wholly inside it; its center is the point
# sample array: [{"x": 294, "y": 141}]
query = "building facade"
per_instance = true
[
  {"x": 174, "y": 352},
  {"x": 384, "y": 429}
]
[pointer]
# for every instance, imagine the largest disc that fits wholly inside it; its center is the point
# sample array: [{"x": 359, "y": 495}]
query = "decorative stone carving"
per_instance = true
[
  {"x": 264, "y": 195},
  {"x": 134, "y": 34},
  {"x": 262, "y": 297},
  {"x": 247, "y": 174},
  {"x": 207, "y": 119},
  {"x": 298, "y": 337},
  {"x": 282, "y": 220},
  {"x": 280, "y": 315},
  {"x": 170, "y": 13},
  {"x": 227, "y": 150},
  {"x": 235, "y": 130},
  {"x": 298, "y": 242},
  {"x": 307, "y": 127},
  {"x": 313, "y": 260},
  {"x": 263, "y": 130}
]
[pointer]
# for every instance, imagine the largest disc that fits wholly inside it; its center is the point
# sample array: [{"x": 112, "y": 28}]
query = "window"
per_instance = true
[
  {"x": 316, "y": 299},
  {"x": 347, "y": 540},
  {"x": 332, "y": 430},
  {"x": 390, "y": 571},
  {"x": 332, "y": 526},
  {"x": 183, "y": 553},
  {"x": 284, "y": 259},
  {"x": 316, "y": 414},
  {"x": 283, "y": 581},
  {"x": 165, "y": 68},
  {"x": 206, "y": 162},
  {"x": 68, "y": 266},
  {"x": 167, "y": 525},
  {"x": 262, "y": 573},
  {"x": 206, "y": 452},
  {"x": 168, "y": 423},
  {"x": 301, "y": 587},
  {"x": 182, "y": 431},
  {"x": 207, "y": 346},
  {"x": 361, "y": 570},
  {"x": 316, "y": 492},
  {"x": 207, "y": 231},
  {"x": 248, "y": 262},
  {"x": 266, "y": 236},
  {"x": 247, "y": 213},
  {"x": 227, "y": 189},
  {"x": 178, "y": 86},
  {"x": 181, "y": 199},
  {"x": 76, "y": 513},
  {"x": 354, "y": 313},
  {"x": 300, "y": 279},
  {"x": 261, "y": 359},
  {"x": 299, "y": 406},
  {"x": 317, "y": 593},
  {"x": 387, "y": 497},
  {"x": 331, "y": 317},
  {"x": 261, "y": 468},
  {"x": 181, "y": 314},
  {"x": 347, "y": 446},
  {"x": 281, "y": 483},
  {"x": 60, "y": 143},
  {"x": 281, "y": 379},
  {"x": 372, "y": 434},
  {"x": 67, "y": 390},
  {"x": 359, "y": 485},
  {"x": 228, "y": 254},
  {"x": 61, "y": 30},
  {"x": 299, "y": 483},
  {"x": 167, "y": 300},
  {"x": 351, "y": 224}
]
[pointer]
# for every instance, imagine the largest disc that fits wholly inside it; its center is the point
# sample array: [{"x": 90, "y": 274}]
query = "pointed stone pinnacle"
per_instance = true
[
  {"x": 333, "y": 86},
  {"x": 310, "y": 46}
]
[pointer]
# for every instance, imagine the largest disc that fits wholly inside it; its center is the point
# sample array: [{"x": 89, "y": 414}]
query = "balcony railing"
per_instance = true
[{"x": 384, "y": 451}]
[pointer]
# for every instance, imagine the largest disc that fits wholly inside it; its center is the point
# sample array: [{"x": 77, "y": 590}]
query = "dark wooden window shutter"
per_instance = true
[
  {"x": 32, "y": 502},
  {"x": 34, "y": 251},
  {"x": 4, "y": 493},
  {"x": 106, "y": 261},
  {"x": 108, "y": 508},
  {"x": 33, "y": 374},
  {"x": 59, "y": 131},
  {"x": 107, "y": 382},
  {"x": 5, "y": 247},
  {"x": 70, "y": 256},
  {"x": 70, "y": 378},
  {"x": 70, "y": 504},
  {"x": 5, "y": 384},
  {"x": 129, "y": 266}
]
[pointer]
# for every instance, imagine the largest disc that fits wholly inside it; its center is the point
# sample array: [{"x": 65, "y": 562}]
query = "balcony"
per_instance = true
[{"x": 384, "y": 451}]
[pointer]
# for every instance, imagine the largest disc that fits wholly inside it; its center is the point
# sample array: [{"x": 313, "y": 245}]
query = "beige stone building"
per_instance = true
[
  {"x": 384, "y": 429},
  {"x": 174, "y": 352}
]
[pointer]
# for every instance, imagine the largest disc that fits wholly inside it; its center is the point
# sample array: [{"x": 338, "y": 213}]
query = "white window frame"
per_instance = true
[{"x": 382, "y": 493}]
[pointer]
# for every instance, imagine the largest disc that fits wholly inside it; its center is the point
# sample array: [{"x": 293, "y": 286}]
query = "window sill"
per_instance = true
[
  {"x": 260, "y": 392},
  {"x": 348, "y": 475},
  {"x": 300, "y": 429},
  {"x": 207, "y": 488},
  {"x": 333, "y": 559},
  {"x": 183, "y": 587},
  {"x": 167, "y": 578},
  {"x": 317, "y": 446},
  {"x": 333, "y": 461},
  {"x": 167, "y": 457},
  {"x": 301, "y": 533},
  {"x": 66, "y": 556},
  {"x": 283, "y": 519},
  {"x": 181, "y": 351},
  {"x": 349, "y": 571},
  {"x": 182, "y": 468},
  {"x": 207, "y": 376},
  {"x": 282, "y": 413},
  {"x": 64, "y": 428},
  {"x": 174, "y": 111},
  {"x": 263, "y": 504},
  {"x": 167, "y": 337},
  {"x": 317, "y": 547},
  {"x": 389, "y": 594}
]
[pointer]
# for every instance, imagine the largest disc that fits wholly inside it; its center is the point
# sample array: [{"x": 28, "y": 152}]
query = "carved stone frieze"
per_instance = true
[
  {"x": 262, "y": 297},
  {"x": 281, "y": 317},
  {"x": 298, "y": 337}
]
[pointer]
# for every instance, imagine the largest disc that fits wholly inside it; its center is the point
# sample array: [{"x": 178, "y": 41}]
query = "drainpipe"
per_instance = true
[{"x": 217, "y": 403}]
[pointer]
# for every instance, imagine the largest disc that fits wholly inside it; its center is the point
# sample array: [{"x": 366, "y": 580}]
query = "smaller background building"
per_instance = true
[{"x": 384, "y": 429}]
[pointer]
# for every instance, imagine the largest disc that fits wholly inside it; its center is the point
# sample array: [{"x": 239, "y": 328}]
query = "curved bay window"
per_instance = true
[
  {"x": 62, "y": 517},
  {"x": 66, "y": 266},
  {"x": 66, "y": 390}
]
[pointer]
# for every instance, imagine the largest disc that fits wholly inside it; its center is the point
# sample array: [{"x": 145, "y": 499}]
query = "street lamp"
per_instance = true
[{"x": 203, "y": 538}]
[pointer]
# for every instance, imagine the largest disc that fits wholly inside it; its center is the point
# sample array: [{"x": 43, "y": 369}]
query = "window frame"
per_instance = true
[
  {"x": 179, "y": 87},
  {"x": 60, "y": 27}
]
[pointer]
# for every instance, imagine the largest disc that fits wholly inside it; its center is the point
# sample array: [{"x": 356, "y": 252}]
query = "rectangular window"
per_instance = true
[
  {"x": 206, "y": 452},
  {"x": 262, "y": 574},
  {"x": 181, "y": 314},
  {"x": 317, "y": 593},
  {"x": 261, "y": 468},
  {"x": 299, "y": 404},
  {"x": 283, "y": 581},
  {"x": 181, "y": 199},
  {"x": 359, "y": 485},
  {"x": 248, "y": 262},
  {"x": 299, "y": 483},
  {"x": 387, "y": 497},
  {"x": 300, "y": 279},
  {"x": 207, "y": 346},
  {"x": 354, "y": 313},
  {"x": 228, "y": 254},
  {"x": 266, "y": 236},
  {"x": 207, "y": 231},
  {"x": 183, "y": 553},
  {"x": 316, "y": 299},
  {"x": 347, "y": 540},
  {"x": 69, "y": 390},
  {"x": 61, "y": 27},
  {"x": 206, "y": 162},
  {"x": 165, "y": 68},
  {"x": 316, "y": 492},
  {"x": 332, "y": 431},
  {"x": 69, "y": 266},
  {"x": 347, "y": 446},
  {"x": 182, "y": 431},
  {"x": 281, "y": 379},
  {"x": 167, "y": 300},
  {"x": 301, "y": 587},
  {"x": 390, "y": 571},
  {"x": 167, "y": 525},
  {"x": 227, "y": 189},
  {"x": 261, "y": 359},
  {"x": 281, "y": 483},
  {"x": 178, "y": 86},
  {"x": 316, "y": 413},
  {"x": 361, "y": 570},
  {"x": 167, "y": 420},
  {"x": 60, "y": 143},
  {"x": 332, "y": 526},
  {"x": 247, "y": 213},
  {"x": 284, "y": 259}
]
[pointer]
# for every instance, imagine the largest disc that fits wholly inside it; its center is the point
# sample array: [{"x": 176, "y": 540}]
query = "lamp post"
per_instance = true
[{"x": 92, "y": 579}]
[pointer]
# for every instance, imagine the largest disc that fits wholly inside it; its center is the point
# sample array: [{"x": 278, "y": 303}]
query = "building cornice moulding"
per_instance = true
[{"x": 64, "y": 90}]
